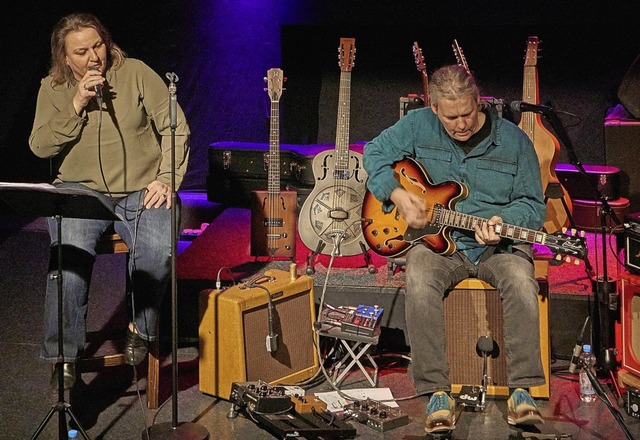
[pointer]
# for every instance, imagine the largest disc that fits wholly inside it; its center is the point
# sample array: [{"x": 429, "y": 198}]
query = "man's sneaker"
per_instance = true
[
  {"x": 522, "y": 409},
  {"x": 440, "y": 413}
]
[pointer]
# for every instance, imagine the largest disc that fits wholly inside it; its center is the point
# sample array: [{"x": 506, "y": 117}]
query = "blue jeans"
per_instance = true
[
  {"x": 429, "y": 275},
  {"x": 147, "y": 233}
]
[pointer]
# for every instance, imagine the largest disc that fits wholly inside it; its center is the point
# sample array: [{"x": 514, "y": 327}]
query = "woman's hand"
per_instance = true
[
  {"x": 157, "y": 195},
  {"x": 86, "y": 89}
]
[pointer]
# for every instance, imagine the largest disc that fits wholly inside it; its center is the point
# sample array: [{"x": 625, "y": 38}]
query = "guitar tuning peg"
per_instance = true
[
  {"x": 564, "y": 230},
  {"x": 558, "y": 257},
  {"x": 264, "y": 79},
  {"x": 567, "y": 259},
  {"x": 576, "y": 262}
]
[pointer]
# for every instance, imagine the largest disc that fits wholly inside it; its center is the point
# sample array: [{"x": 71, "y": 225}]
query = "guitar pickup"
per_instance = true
[{"x": 273, "y": 222}]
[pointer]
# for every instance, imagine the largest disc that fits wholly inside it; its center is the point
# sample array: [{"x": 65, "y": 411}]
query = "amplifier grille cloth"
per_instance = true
[
  {"x": 469, "y": 314},
  {"x": 292, "y": 323}
]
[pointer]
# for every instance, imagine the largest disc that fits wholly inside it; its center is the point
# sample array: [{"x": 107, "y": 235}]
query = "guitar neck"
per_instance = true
[
  {"x": 273, "y": 186},
  {"x": 342, "y": 130},
  {"x": 447, "y": 217},
  {"x": 530, "y": 87}
]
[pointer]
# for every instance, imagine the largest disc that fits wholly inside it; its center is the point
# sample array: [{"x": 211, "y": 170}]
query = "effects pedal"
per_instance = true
[
  {"x": 633, "y": 402},
  {"x": 376, "y": 415},
  {"x": 260, "y": 397},
  {"x": 308, "y": 404},
  {"x": 470, "y": 398},
  {"x": 362, "y": 321}
]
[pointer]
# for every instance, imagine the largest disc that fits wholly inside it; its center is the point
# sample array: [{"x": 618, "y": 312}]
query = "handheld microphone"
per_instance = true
[
  {"x": 577, "y": 349},
  {"x": 521, "y": 106},
  {"x": 98, "y": 87}
]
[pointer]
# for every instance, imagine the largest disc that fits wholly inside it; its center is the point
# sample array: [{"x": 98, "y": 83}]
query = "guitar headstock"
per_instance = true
[
  {"x": 570, "y": 243},
  {"x": 346, "y": 54},
  {"x": 459, "y": 54},
  {"x": 417, "y": 54},
  {"x": 274, "y": 79},
  {"x": 531, "y": 56}
]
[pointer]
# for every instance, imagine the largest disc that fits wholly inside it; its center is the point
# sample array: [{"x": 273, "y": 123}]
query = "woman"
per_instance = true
[{"x": 103, "y": 119}]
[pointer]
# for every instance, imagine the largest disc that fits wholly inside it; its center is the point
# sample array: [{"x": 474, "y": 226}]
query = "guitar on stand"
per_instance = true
[
  {"x": 273, "y": 212},
  {"x": 331, "y": 212},
  {"x": 462, "y": 61},
  {"x": 559, "y": 206},
  {"x": 422, "y": 68}
]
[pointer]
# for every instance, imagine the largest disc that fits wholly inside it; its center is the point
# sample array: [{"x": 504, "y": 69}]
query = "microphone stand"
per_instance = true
[
  {"x": 606, "y": 304},
  {"x": 174, "y": 430},
  {"x": 605, "y": 399}
]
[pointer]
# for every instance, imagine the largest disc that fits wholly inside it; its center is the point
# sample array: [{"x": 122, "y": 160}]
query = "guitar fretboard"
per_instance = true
[
  {"x": 447, "y": 217},
  {"x": 342, "y": 130},
  {"x": 274, "y": 150}
]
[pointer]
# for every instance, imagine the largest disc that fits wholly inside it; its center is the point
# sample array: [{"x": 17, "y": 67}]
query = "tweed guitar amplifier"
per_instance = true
[
  {"x": 235, "y": 325},
  {"x": 473, "y": 309}
]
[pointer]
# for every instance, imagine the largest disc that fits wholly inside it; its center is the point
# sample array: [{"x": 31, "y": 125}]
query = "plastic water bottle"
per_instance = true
[
  {"x": 73, "y": 433},
  {"x": 587, "y": 393}
]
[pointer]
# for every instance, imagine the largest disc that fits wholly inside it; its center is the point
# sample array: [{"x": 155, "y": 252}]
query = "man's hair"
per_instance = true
[
  {"x": 452, "y": 82},
  {"x": 59, "y": 70}
]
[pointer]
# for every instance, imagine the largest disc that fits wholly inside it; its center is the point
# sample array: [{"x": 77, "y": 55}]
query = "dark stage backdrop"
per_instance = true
[{"x": 221, "y": 51}]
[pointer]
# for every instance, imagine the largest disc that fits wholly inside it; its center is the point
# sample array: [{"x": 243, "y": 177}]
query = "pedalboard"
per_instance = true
[
  {"x": 376, "y": 415},
  {"x": 316, "y": 425},
  {"x": 361, "y": 320},
  {"x": 260, "y": 397}
]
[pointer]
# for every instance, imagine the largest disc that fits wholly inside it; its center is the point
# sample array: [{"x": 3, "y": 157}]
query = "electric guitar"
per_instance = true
[
  {"x": 274, "y": 212},
  {"x": 559, "y": 206},
  {"x": 422, "y": 68},
  {"x": 388, "y": 234},
  {"x": 331, "y": 212}
]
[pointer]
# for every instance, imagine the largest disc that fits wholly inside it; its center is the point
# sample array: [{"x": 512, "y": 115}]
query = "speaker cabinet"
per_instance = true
[
  {"x": 473, "y": 309},
  {"x": 235, "y": 324},
  {"x": 630, "y": 323},
  {"x": 629, "y": 90}
]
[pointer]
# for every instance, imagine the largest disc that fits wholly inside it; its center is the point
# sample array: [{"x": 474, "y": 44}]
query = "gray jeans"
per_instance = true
[{"x": 429, "y": 275}]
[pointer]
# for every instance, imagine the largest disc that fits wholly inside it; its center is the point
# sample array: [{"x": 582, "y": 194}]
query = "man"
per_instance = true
[{"x": 457, "y": 139}]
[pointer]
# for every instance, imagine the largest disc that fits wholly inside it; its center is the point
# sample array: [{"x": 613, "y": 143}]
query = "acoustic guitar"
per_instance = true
[
  {"x": 559, "y": 206},
  {"x": 274, "y": 212},
  {"x": 388, "y": 234},
  {"x": 331, "y": 212}
]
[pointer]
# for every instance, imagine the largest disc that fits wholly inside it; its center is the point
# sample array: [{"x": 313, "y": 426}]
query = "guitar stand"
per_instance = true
[
  {"x": 367, "y": 259},
  {"x": 309, "y": 270}
]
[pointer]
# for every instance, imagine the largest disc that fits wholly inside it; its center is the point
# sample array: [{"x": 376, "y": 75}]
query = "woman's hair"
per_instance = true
[
  {"x": 60, "y": 71},
  {"x": 452, "y": 82}
]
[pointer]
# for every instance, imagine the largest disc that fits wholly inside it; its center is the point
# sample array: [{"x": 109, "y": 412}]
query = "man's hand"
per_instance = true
[
  {"x": 486, "y": 233},
  {"x": 411, "y": 207},
  {"x": 157, "y": 195}
]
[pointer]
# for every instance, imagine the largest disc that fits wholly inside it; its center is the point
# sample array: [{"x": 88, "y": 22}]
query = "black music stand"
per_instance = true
[{"x": 44, "y": 200}]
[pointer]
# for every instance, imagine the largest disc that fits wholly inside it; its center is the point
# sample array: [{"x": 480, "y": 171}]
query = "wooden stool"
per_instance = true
[
  {"x": 112, "y": 243},
  {"x": 473, "y": 309}
]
